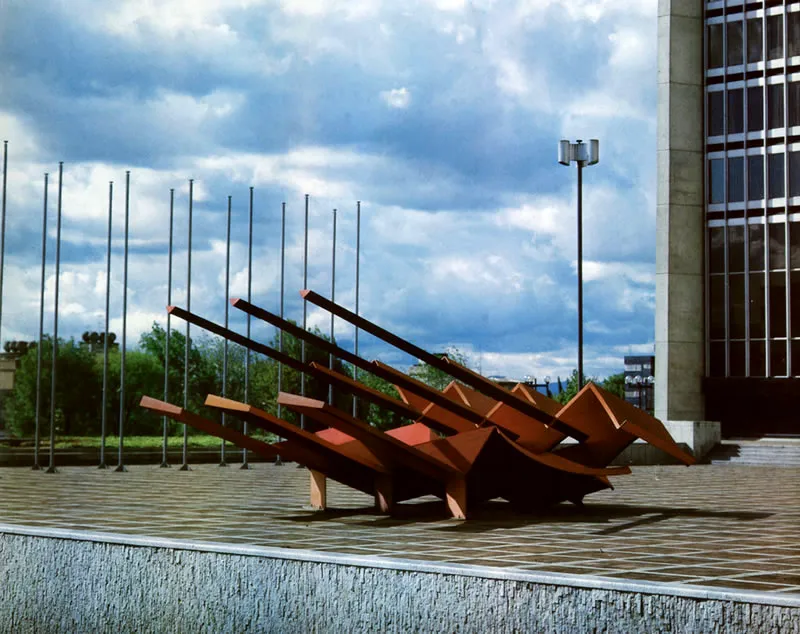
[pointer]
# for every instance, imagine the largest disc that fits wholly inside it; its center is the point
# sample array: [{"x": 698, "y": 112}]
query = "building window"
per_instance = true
[
  {"x": 793, "y": 27},
  {"x": 777, "y": 304},
  {"x": 795, "y": 292},
  {"x": 755, "y": 109},
  {"x": 716, "y": 260},
  {"x": 755, "y": 40},
  {"x": 796, "y": 355},
  {"x": 736, "y": 111},
  {"x": 735, "y": 50},
  {"x": 794, "y": 103},
  {"x": 774, "y": 37},
  {"x": 777, "y": 358},
  {"x": 716, "y": 177},
  {"x": 717, "y": 353},
  {"x": 777, "y": 246},
  {"x": 775, "y": 105},
  {"x": 794, "y": 257},
  {"x": 794, "y": 173},
  {"x": 736, "y": 358},
  {"x": 755, "y": 177},
  {"x": 736, "y": 179},
  {"x": 755, "y": 247},
  {"x": 758, "y": 359},
  {"x": 717, "y": 301},
  {"x": 736, "y": 319},
  {"x": 758, "y": 326},
  {"x": 736, "y": 249},
  {"x": 776, "y": 185},
  {"x": 716, "y": 113},
  {"x": 715, "y": 58}
]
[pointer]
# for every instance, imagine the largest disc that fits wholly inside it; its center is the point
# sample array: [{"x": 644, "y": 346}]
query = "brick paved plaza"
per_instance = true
[{"x": 718, "y": 526}]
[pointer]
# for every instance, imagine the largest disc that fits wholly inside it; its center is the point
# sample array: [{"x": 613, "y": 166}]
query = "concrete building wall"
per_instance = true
[
  {"x": 62, "y": 582},
  {"x": 8, "y": 368},
  {"x": 680, "y": 220}
]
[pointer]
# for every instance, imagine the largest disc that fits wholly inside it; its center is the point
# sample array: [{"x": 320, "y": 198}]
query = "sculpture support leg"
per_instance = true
[
  {"x": 319, "y": 491},
  {"x": 384, "y": 494},
  {"x": 456, "y": 492}
]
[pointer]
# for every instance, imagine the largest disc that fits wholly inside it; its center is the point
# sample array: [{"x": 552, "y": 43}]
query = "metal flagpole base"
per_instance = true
[
  {"x": 223, "y": 464},
  {"x": 121, "y": 469},
  {"x": 36, "y": 467},
  {"x": 164, "y": 465},
  {"x": 245, "y": 465},
  {"x": 102, "y": 465},
  {"x": 185, "y": 467},
  {"x": 51, "y": 470},
  {"x": 278, "y": 461}
]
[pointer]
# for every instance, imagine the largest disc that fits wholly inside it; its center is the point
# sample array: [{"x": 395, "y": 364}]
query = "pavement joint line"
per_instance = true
[{"x": 735, "y": 541}]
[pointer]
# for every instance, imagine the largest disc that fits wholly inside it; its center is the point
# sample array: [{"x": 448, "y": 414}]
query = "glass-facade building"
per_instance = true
[
  {"x": 728, "y": 249},
  {"x": 752, "y": 135}
]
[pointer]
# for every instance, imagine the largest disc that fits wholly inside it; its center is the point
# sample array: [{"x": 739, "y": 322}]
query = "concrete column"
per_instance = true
[{"x": 680, "y": 305}]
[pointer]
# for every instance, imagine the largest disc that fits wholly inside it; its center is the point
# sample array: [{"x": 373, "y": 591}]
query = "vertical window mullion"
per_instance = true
[{"x": 787, "y": 191}]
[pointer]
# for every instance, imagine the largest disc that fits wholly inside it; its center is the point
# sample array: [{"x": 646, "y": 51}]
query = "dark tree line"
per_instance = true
[{"x": 79, "y": 383}]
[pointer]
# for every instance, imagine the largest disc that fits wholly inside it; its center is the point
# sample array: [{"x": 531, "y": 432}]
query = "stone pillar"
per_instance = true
[{"x": 680, "y": 220}]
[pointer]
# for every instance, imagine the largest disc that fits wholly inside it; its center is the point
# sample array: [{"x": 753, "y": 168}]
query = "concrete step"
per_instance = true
[{"x": 772, "y": 454}]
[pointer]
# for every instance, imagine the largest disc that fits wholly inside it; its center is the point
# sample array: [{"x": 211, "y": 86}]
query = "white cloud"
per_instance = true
[
  {"x": 454, "y": 250},
  {"x": 399, "y": 98}
]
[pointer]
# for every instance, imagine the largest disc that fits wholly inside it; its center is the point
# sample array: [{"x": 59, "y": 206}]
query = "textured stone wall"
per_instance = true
[{"x": 52, "y": 584}]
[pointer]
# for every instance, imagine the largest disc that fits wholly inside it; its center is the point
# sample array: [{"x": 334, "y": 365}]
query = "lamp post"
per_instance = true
[
  {"x": 583, "y": 155},
  {"x": 643, "y": 386}
]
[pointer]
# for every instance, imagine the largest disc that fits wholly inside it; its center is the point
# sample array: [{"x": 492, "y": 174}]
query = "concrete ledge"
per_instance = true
[
  {"x": 640, "y": 453},
  {"x": 64, "y": 580},
  {"x": 700, "y": 436},
  {"x": 694, "y": 437}
]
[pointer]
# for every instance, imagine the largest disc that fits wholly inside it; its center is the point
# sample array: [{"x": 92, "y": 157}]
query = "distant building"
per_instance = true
[{"x": 640, "y": 381}]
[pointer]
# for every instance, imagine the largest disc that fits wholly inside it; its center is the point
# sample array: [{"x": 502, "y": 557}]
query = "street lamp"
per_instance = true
[{"x": 582, "y": 155}]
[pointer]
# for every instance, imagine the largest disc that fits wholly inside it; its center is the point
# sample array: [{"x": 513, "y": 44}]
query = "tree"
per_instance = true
[
  {"x": 571, "y": 389},
  {"x": 434, "y": 377},
  {"x": 615, "y": 383},
  {"x": 264, "y": 381},
  {"x": 78, "y": 391},
  {"x": 381, "y": 418},
  {"x": 144, "y": 376},
  {"x": 202, "y": 369}
]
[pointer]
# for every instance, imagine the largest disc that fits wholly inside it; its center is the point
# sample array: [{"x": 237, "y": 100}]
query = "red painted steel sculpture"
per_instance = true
[{"x": 470, "y": 443}]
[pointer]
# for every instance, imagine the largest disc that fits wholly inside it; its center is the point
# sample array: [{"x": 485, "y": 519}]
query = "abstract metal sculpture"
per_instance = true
[{"x": 470, "y": 443}]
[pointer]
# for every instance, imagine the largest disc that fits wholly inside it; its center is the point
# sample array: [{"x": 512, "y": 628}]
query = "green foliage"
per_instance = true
[
  {"x": 80, "y": 380},
  {"x": 374, "y": 415},
  {"x": 433, "y": 376},
  {"x": 144, "y": 376},
  {"x": 571, "y": 388},
  {"x": 78, "y": 391},
  {"x": 615, "y": 383}
]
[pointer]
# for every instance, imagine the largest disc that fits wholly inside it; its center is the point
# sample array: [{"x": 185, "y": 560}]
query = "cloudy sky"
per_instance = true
[{"x": 441, "y": 116}]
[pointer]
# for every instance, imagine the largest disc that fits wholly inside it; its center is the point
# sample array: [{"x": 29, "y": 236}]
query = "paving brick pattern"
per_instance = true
[{"x": 719, "y": 526}]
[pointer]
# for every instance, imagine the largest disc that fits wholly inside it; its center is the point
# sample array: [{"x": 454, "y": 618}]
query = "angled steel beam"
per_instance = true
[
  {"x": 457, "y": 371},
  {"x": 237, "y": 338},
  {"x": 374, "y": 396},
  {"x": 186, "y": 417},
  {"x": 378, "y": 369},
  {"x": 389, "y": 449},
  {"x": 323, "y": 374},
  {"x": 293, "y": 433},
  {"x": 403, "y": 381}
]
